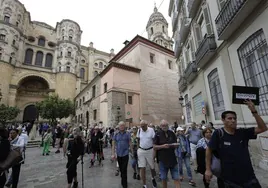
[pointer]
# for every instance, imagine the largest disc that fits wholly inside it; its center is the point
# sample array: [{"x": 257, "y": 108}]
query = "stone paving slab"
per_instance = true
[{"x": 50, "y": 172}]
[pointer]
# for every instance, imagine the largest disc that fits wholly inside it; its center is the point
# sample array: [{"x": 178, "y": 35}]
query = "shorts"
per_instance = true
[
  {"x": 144, "y": 157},
  {"x": 164, "y": 171},
  {"x": 193, "y": 150}
]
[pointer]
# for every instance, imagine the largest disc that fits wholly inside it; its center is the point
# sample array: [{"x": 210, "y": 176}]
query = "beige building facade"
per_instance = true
[
  {"x": 219, "y": 44},
  {"x": 37, "y": 59},
  {"x": 110, "y": 97}
]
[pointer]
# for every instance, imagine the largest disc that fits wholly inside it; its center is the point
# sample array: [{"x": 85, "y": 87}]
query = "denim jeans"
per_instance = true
[{"x": 186, "y": 160}]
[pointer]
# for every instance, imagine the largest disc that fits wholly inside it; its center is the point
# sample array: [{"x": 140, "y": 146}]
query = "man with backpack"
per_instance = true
[{"x": 230, "y": 145}]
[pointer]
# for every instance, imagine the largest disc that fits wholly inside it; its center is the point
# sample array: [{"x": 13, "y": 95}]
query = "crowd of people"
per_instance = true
[{"x": 162, "y": 149}]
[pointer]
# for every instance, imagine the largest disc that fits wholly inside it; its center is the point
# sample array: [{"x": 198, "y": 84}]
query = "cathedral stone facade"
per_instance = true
[{"x": 37, "y": 59}]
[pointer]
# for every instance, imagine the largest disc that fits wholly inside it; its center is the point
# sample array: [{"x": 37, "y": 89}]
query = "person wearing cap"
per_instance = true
[
  {"x": 184, "y": 154},
  {"x": 165, "y": 142}
]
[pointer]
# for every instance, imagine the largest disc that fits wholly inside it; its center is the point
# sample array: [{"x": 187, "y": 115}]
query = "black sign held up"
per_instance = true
[{"x": 241, "y": 93}]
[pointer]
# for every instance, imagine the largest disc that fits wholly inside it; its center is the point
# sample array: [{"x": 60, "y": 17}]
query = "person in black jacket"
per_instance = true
[
  {"x": 4, "y": 148},
  {"x": 75, "y": 149}
]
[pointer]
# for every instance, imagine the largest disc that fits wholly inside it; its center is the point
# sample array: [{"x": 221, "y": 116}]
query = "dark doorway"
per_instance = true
[{"x": 30, "y": 114}]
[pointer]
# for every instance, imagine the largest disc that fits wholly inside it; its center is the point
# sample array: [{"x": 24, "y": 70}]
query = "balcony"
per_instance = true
[
  {"x": 178, "y": 46},
  {"x": 175, "y": 21},
  {"x": 185, "y": 28},
  {"x": 205, "y": 50},
  {"x": 193, "y": 6},
  {"x": 182, "y": 84},
  {"x": 232, "y": 15},
  {"x": 190, "y": 72}
]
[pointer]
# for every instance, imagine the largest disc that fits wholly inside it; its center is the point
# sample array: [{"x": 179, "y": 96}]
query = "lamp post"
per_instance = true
[
  {"x": 0, "y": 95},
  {"x": 181, "y": 103}
]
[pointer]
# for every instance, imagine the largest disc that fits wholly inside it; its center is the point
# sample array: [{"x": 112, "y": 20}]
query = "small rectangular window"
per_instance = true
[
  {"x": 80, "y": 102},
  {"x": 10, "y": 59},
  {"x": 2, "y": 37},
  {"x": 68, "y": 69},
  {"x": 93, "y": 91},
  {"x": 70, "y": 38},
  {"x": 130, "y": 100},
  {"x": 13, "y": 42},
  {"x": 83, "y": 99},
  {"x": 105, "y": 87},
  {"x": 169, "y": 64},
  {"x": 17, "y": 23},
  {"x": 69, "y": 54},
  {"x": 6, "y": 19},
  {"x": 152, "y": 58},
  {"x": 0, "y": 56},
  {"x": 95, "y": 114}
]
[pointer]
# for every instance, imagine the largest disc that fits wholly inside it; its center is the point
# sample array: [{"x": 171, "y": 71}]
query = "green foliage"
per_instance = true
[
  {"x": 8, "y": 113},
  {"x": 54, "y": 107}
]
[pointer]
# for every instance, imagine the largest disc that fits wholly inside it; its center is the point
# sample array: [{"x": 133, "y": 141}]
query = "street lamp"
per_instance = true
[
  {"x": 1, "y": 95},
  {"x": 181, "y": 100}
]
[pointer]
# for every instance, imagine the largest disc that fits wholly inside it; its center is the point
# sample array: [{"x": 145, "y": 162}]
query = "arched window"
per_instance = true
[
  {"x": 71, "y": 34},
  {"x": 96, "y": 64},
  {"x": 163, "y": 29},
  {"x": 68, "y": 67},
  {"x": 82, "y": 73},
  {"x": 101, "y": 65},
  {"x": 28, "y": 56},
  {"x": 216, "y": 94},
  {"x": 49, "y": 59},
  {"x": 59, "y": 66},
  {"x": 7, "y": 14},
  {"x": 95, "y": 73},
  {"x": 12, "y": 57},
  {"x": 152, "y": 30},
  {"x": 83, "y": 61},
  {"x": 253, "y": 57},
  {"x": 42, "y": 41},
  {"x": 39, "y": 58}
]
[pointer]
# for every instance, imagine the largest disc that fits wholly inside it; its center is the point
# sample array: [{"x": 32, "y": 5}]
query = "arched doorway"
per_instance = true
[
  {"x": 30, "y": 90},
  {"x": 30, "y": 114}
]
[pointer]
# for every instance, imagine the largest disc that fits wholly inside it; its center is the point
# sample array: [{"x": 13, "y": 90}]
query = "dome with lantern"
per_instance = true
[{"x": 156, "y": 16}]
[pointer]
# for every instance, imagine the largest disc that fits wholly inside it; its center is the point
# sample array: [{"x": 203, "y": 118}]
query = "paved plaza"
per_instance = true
[{"x": 50, "y": 172}]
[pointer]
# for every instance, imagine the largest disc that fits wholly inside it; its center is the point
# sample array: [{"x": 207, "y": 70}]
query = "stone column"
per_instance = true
[{"x": 12, "y": 95}]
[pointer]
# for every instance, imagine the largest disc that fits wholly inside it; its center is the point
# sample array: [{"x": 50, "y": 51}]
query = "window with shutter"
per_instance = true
[
  {"x": 221, "y": 3},
  {"x": 191, "y": 42},
  {"x": 207, "y": 19},
  {"x": 198, "y": 34}
]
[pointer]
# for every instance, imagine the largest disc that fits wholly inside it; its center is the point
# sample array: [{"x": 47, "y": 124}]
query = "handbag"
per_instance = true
[
  {"x": 215, "y": 161},
  {"x": 216, "y": 166},
  {"x": 14, "y": 157}
]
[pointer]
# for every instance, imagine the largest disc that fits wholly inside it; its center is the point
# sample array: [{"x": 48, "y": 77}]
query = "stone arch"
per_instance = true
[
  {"x": 30, "y": 113},
  {"x": 20, "y": 79}
]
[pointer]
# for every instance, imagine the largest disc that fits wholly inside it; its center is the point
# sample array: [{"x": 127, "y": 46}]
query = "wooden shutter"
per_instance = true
[
  {"x": 191, "y": 42},
  {"x": 221, "y": 3},
  {"x": 198, "y": 34},
  {"x": 207, "y": 19}
]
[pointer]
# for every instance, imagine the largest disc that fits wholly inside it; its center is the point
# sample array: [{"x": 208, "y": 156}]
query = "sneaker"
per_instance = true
[
  {"x": 154, "y": 183},
  {"x": 192, "y": 183},
  {"x": 135, "y": 176},
  {"x": 75, "y": 185},
  {"x": 138, "y": 177},
  {"x": 117, "y": 173},
  {"x": 58, "y": 151},
  {"x": 8, "y": 185}
]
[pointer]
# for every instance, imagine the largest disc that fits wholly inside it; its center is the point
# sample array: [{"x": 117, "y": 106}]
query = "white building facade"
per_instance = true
[{"x": 218, "y": 44}]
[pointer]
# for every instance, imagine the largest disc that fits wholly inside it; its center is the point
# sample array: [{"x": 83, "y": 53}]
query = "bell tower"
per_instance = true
[{"x": 157, "y": 29}]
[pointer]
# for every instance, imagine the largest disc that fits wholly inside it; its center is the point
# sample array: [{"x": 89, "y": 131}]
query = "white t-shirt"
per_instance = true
[{"x": 146, "y": 137}]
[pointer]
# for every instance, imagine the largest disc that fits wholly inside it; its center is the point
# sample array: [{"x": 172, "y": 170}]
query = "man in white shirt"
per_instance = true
[
  {"x": 25, "y": 139},
  {"x": 145, "y": 152},
  {"x": 15, "y": 141}
]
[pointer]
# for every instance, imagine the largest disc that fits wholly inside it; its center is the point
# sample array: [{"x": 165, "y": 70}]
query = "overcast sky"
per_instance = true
[{"x": 106, "y": 23}]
